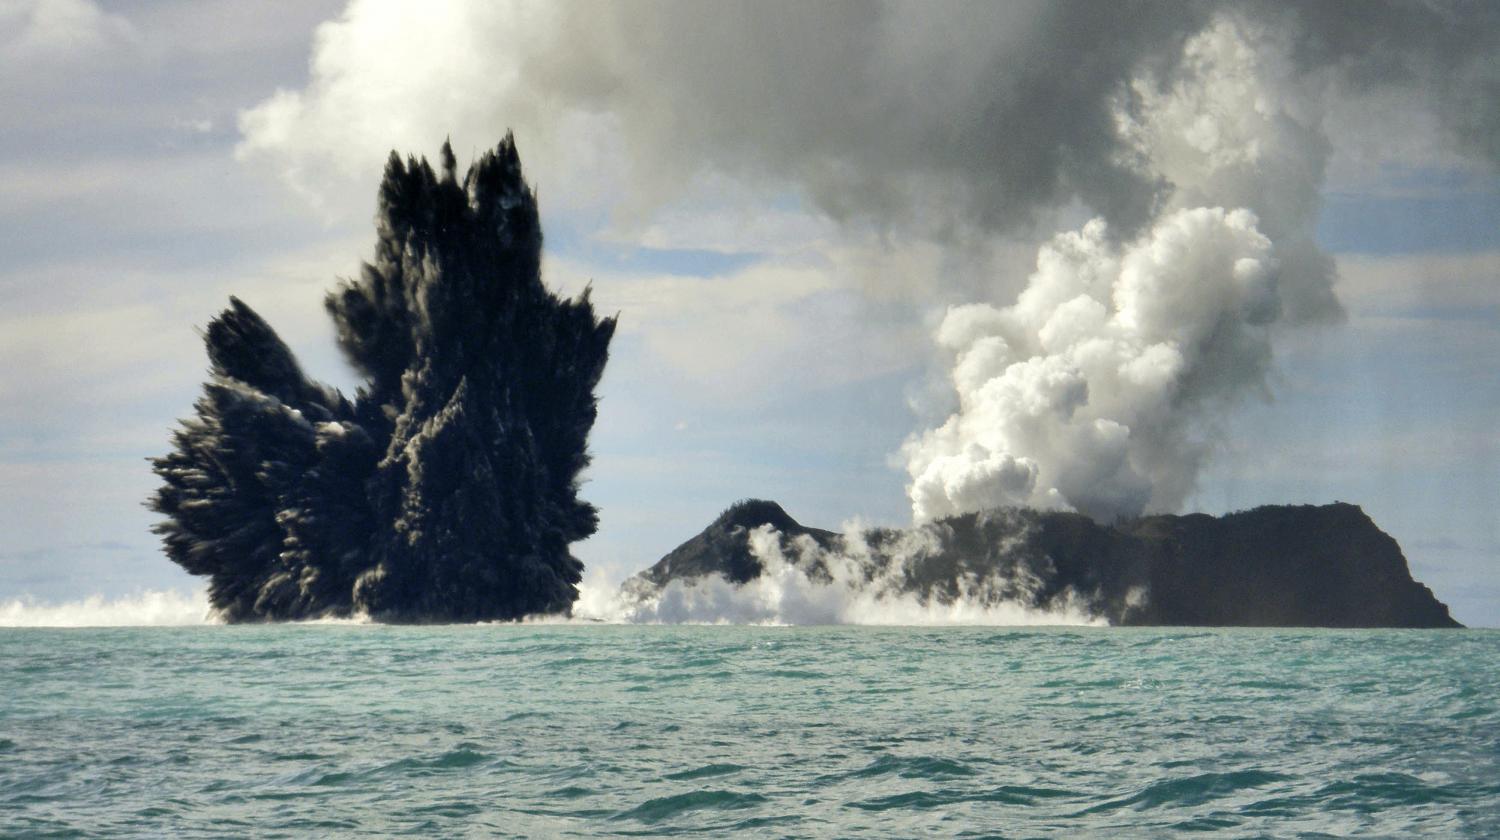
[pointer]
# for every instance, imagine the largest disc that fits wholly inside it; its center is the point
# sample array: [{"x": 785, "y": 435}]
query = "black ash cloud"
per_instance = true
[{"x": 447, "y": 489}]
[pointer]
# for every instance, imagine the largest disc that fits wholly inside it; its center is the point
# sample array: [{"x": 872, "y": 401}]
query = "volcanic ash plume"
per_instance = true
[
  {"x": 1101, "y": 388},
  {"x": 447, "y": 489}
]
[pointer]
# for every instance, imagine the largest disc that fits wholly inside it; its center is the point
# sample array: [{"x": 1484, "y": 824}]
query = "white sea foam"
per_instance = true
[
  {"x": 152, "y": 608},
  {"x": 784, "y": 594},
  {"x": 858, "y": 591}
]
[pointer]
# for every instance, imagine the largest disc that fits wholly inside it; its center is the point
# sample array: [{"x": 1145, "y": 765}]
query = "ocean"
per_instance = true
[{"x": 579, "y": 730}]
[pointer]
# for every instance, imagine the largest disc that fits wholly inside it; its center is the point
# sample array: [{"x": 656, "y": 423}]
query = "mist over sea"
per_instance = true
[{"x": 603, "y": 730}]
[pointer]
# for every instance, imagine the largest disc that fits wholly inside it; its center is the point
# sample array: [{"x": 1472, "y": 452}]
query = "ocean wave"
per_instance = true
[
  {"x": 149, "y": 608},
  {"x": 152, "y": 608}
]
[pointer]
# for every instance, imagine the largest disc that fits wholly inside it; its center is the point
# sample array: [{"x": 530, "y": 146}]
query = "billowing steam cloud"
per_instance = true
[
  {"x": 1100, "y": 389},
  {"x": 447, "y": 489},
  {"x": 1198, "y": 133}
]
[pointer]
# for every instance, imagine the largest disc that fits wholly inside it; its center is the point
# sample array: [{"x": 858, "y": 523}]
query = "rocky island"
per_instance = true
[{"x": 1276, "y": 566}]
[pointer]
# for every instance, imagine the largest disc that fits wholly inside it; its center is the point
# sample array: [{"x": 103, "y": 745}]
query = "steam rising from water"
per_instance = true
[
  {"x": 857, "y": 589},
  {"x": 784, "y": 594}
]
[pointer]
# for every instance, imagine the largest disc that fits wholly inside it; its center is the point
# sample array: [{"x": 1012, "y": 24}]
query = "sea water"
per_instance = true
[{"x": 579, "y": 730}]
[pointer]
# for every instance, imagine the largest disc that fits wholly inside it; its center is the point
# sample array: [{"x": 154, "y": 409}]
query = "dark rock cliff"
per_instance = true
[
  {"x": 1280, "y": 566},
  {"x": 724, "y": 546}
]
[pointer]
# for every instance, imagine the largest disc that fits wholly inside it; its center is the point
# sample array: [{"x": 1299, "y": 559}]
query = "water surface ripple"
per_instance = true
[{"x": 564, "y": 730}]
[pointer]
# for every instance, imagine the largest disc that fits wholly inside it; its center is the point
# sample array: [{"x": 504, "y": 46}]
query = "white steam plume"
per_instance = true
[{"x": 1101, "y": 387}]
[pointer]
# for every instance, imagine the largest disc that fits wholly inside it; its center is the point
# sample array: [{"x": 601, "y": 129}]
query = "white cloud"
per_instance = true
[
  {"x": 38, "y": 34},
  {"x": 394, "y": 76}
]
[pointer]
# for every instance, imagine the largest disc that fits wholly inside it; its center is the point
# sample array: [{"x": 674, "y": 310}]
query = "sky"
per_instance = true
[{"x": 830, "y": 231}]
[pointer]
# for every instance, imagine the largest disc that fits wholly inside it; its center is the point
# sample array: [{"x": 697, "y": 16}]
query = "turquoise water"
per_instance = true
[{"x": 538, "y": 731}]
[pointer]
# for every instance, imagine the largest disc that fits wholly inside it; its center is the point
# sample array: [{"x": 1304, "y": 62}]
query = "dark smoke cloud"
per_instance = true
[
  {"x": 447, "y": 489},
  {"x": 975, "y": 116},
  {"x": 978, "y": 115},
  {"x": 1440, "y": 53}
]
